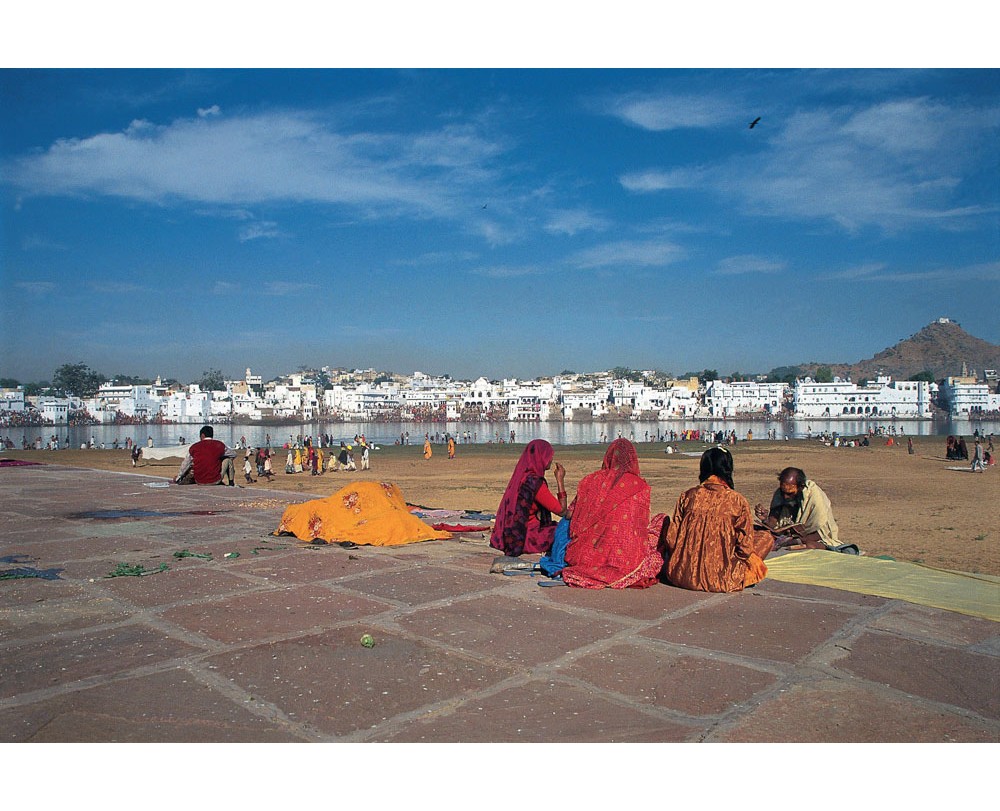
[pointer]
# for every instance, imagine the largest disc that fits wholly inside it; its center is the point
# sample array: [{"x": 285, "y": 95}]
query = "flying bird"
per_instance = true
[
  {"x": 485, "y": 205},
  {"x": 754, "y": 122}
]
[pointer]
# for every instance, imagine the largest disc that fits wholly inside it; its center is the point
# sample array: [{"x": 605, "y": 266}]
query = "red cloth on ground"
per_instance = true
[{"x": 612, "y": 543}]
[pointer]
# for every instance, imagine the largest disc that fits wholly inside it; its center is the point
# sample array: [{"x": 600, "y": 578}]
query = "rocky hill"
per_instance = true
[{"x": 942, "y": 347}]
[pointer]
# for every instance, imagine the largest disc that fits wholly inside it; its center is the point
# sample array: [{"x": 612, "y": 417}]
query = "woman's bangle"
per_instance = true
[{"x": 562, "y": 493}]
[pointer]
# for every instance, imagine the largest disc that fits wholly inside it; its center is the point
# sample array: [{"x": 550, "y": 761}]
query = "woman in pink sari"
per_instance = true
[
  {"x": 612, "y": 542},
  {"x": 524, "y": 518}
]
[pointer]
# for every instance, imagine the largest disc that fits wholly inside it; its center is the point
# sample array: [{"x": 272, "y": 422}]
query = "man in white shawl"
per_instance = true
[{"x": 800, "y": 513}]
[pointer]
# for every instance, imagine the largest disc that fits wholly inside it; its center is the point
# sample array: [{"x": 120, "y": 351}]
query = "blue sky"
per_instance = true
[{"x": 506, "y": 222}]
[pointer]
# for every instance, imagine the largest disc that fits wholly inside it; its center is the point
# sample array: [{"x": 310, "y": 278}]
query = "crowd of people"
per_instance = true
[
  {"x": 983, "y": 454},
  {"x": 606, "y": 538},
  {"x": 210, "y": 461}
]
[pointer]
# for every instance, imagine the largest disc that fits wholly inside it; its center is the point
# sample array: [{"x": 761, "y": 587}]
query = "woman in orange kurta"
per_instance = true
[
  {"x": 428, "y": 453},
  {"x": 711, "y": 544},
  {"x": 611, "y": 543}
]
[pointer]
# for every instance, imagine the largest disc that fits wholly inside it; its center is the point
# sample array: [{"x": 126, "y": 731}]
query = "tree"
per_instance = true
[
  {"x": 824, "y": 374},
  {"x": 625, "y": 373},
  {"x": 34, "y": 389},
  {"x": 784, "y": 374},
  {"x": 8, "y": 383},
  {"x": 565, "y": 372},
  {"x": 212, "y": 380},
  {"x": 131, "y": 380},
  {"x": 926, "y": 375},
  {"x": 77, "y": 380}
]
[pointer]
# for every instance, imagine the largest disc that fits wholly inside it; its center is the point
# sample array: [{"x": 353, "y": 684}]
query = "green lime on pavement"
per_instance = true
[{"x": 368, "y": 641}]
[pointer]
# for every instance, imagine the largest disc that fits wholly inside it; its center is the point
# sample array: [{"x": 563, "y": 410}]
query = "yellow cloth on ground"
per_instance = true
[
  {"x": 372, "y": 513},
  {"x": 977, "y": 595}
]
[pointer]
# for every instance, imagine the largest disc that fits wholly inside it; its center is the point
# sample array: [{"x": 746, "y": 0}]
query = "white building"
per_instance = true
[
  {"x": 968, "y": 398},
  {"x": 134, "y": 401},
  {"x": 681, "y": 401},
  {"x": 588, "y": 399},
  {"x": 744, "y": 397},
  {"x": 12, "y": 399},
  {"x": 255, "y": 382},
  {"x": 55, "y": 410},
  {"x": 482, "y": 393},
  {"x": 884, "y": 399},
  {"x": 366, "y": 402},
  {"x": 192, "y": 405}
]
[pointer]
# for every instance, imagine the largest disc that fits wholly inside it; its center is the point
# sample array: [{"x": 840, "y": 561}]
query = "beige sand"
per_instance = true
[{"x": 889, "y": 503}]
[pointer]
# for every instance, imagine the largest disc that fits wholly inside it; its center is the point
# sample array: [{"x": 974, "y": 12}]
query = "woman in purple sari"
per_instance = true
[{"x": 524, "y": 518}]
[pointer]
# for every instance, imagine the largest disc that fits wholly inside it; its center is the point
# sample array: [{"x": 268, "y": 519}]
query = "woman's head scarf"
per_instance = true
[{"x": 600, "y": 494}]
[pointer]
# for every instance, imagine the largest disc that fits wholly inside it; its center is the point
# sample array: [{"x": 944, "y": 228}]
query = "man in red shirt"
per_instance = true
[{"x": 208, "y": 462}]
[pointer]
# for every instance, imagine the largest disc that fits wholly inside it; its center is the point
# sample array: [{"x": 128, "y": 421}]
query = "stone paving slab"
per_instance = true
[
  {"x": 273, "y": 614},
  {"x": 266, "y": 646},
  {"x": 185, "y": 711},
  {"x": 847, "y": 712}
]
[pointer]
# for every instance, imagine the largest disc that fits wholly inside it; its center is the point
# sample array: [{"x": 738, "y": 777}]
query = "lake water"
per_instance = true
[{"x": 558, "y": 433}]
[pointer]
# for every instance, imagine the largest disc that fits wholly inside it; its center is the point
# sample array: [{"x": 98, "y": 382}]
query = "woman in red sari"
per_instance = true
[
  {"x": 612, "y": 544},
  {"x": 524, "y": 518}
]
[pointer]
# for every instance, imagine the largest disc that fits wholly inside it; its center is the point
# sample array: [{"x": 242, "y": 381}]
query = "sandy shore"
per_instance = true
[{"x": 888, "y": 502}]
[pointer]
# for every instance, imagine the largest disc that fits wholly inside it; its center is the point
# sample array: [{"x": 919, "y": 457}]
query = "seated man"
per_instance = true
[
  {"x": 208, "y": 462},
  {"x": 800, "y": 513}
]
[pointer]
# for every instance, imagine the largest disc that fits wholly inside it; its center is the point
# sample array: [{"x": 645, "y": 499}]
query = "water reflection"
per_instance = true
[{"x": 558, "y": 433}]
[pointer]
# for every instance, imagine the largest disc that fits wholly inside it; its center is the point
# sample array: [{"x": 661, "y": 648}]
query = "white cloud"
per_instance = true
[
  {"x": 205, "y": 112},
  {"x": 288, "y": 288},
  {"x": 877, "y": 272},
  {"x": 738, "y": 265},
  {"x": 508, "y": 271},
  {"x": 36, "y": 288},
  {"x": 221, "y": 288},
  {"x": 858, "y": 272},
  {"x": 119, "y": 288},
  {"x": 669, "y": 112},
  {"x": 33, "y": 242},
  {"x": 892, "y": 165},
  {"x": 436, "y": 258},
  {"x": 259, "y": 230},
  {"x": 574, "y": 221},
  {"x": 649, "y": 253},
  {"x": 271, "y": 157},
  {"x": 653, "y": 180}
]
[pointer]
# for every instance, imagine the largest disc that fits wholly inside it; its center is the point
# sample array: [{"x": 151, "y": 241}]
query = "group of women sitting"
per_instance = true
[{"x": 606, "y": 538}]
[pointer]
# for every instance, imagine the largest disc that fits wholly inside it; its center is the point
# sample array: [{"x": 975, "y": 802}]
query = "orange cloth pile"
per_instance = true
[{"x": 372, "y": 513}]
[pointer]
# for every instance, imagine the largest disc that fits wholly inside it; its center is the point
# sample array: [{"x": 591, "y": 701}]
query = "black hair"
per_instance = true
[
  {"x": 717, "y": 462},
  {"x": 207, "y": 431},
  {"x": 789, "y": 472}
]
